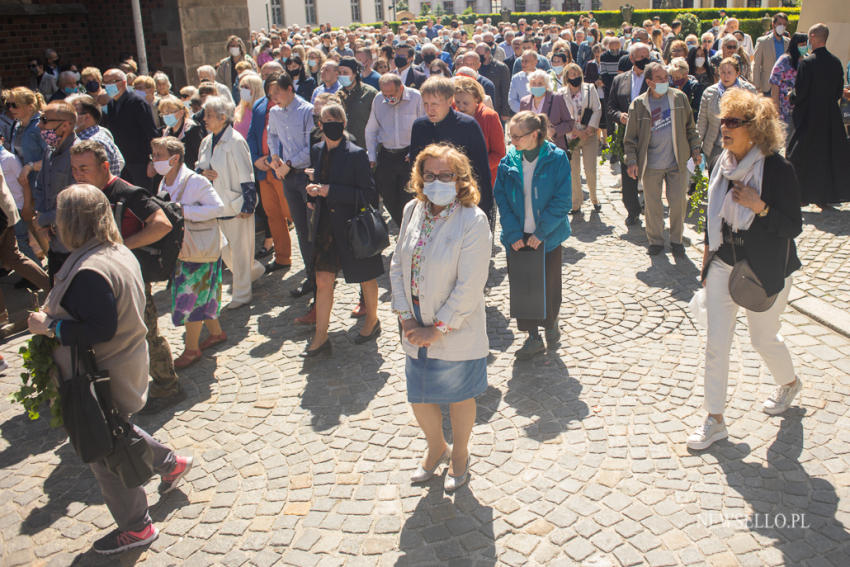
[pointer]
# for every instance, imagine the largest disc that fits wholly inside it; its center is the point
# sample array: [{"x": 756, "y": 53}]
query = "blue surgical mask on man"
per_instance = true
[
  {"x": 111, "y": 90},
  {"x": 345, "y": 81},
  {"x": 661, "y": 88}
]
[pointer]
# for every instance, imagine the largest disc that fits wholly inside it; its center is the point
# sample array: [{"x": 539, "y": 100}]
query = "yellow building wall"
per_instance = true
[{"x": 836, "y": 15}]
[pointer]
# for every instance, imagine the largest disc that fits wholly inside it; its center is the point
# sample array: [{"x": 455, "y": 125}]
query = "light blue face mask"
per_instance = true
[
  {"x": 661, "y": 88},
  {"x": 803, "y": 49},
  {"x": 538, "y": 91},
  {"x": 111, "y": 90},
  {"x": 69, "y": 90},
  {"x": 345, "y": 81},
  {"x": 170, "y": 120},
  {"x": 558, "y": 69},
  {"x": 131, "y": 89},
  {"x": 104, "y": 109}
]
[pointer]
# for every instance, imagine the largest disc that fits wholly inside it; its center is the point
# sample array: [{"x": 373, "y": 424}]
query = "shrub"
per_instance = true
[{"x": 690, "y": 24}]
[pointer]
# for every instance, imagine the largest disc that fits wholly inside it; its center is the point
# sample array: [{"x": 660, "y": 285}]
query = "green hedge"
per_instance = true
[
  {"x": 609, "y": 18},
  {"x": 753, "y": 27}
]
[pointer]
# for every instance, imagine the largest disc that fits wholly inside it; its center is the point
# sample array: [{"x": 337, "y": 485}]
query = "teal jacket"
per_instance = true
[{"x": 551, "y": 196}]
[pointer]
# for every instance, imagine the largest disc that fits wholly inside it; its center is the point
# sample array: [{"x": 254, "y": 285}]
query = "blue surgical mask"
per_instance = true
[
  {"x": 104, "y": 109},
  {"x": 803, "y": 49},
  {"x": 111, "y": 90},
  {"x": 69, "y": 90},
  {"x": 661, "y": 88},
  {"x": 345, "y": 80},
  {"x": 170, "y": 120},
  {"x": 538, "y": 91},
  {"x": 440, "y": 193},
  {"x": 558, "y": 69}
]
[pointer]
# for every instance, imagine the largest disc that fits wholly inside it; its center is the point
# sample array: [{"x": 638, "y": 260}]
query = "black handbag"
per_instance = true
[
  {"x": 132, "y": 458},
  {"x": 367, "y": 230},
  {"x": 83, "y": 417}
]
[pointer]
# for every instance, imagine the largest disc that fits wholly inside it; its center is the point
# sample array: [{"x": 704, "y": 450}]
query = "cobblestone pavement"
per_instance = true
[{"x": 578, "y": 456}]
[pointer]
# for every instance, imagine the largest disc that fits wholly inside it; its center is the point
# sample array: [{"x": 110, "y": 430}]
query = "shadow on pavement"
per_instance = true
[
  {"x": 26, "y": 437},
  {"x": 543, "y": 388},
  {"x": 790, "y": 506},
  {"x": 442, "y": 531}
]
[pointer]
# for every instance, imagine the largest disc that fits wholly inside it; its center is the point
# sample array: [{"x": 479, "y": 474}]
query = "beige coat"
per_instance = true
[
  {"x": 231, "y": 159},
  {"x": 125, "y": 355},
  {"x": 764, "y": 60},
  {"x": 708, "y": 121},
  {"x": 639, "y": 129},
  {"x": 454, "y": 271}
]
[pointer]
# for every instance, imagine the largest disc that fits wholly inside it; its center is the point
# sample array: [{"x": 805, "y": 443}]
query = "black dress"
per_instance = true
[{"x": 346, "y": 170}]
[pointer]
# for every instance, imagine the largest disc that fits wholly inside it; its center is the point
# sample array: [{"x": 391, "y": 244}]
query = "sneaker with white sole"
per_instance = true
[
  {"x": 117, "y": 541},
  {"x": 707, "y": 433},
  {"x": 782, "y": 397},
  {"x": 182, "y": 466}
]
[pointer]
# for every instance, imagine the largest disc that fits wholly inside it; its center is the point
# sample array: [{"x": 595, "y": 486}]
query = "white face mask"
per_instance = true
[
  {"x": 700, "y": 61},
  {"x": 162, "y": 167},
  {"x": 440, "y": 193},
  {"x": 235, "y": 51},
  {"x": 780, "y": 29}
]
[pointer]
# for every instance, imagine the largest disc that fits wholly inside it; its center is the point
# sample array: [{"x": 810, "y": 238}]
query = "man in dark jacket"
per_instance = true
[
  {"x": 130, "y": 119},
  {"x": 625, "y": 88},
  {"x": 819, "y": 148},
  {"x": 403, "y": 59},
  {"x": 500, "y": 76},
  {"x": 443, "y": 124}
]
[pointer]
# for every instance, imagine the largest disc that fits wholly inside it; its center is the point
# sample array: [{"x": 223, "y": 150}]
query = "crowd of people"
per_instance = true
[{"x": 447, "y": 128}]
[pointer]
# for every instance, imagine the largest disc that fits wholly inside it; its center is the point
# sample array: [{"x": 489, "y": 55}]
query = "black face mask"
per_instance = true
[
  {"x": 295, "y": 73},
  {"x": 490, "y": 43},
  {"x": 641, "y": 63},
  {"x": 428, "y": 58},
  {"x": 574, "y": 82},
  {"x": 481, "y": 57},
  {"x": 333, "y": 130},
  {"x": 92, "y": 86},
  {"x": 400, "y": 61}
]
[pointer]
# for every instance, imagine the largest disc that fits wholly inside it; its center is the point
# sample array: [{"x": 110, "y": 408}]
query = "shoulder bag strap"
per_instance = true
[{"x": 178, "y": 195}]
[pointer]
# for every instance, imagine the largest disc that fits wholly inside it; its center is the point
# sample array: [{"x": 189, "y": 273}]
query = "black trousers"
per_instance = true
[
  {"x": 392, "y": 172},
  {"x": 553, "y": 294},
  {"x": 630, "y": 194},
  {"x": 295, "y": 191}
]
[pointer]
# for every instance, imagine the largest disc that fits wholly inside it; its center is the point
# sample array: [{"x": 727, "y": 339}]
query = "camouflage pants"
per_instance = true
[{"x": 161, "y": 361}]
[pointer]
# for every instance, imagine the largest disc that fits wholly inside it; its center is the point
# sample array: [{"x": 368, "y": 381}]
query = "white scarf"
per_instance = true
[{"x": 749, "y": 171}]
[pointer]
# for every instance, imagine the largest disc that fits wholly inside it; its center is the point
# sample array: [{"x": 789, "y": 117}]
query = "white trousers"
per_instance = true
[
  {"x": 764, "y": 335},
  {"x": 238, "y": 256}
]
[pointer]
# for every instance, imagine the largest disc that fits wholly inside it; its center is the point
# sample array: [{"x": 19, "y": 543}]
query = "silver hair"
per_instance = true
[
  {"x": 220, "y": 106},
  {"x": 430, "y": 48},
  {"x": 678, "y": 64},
  {"x": 160, "y": 77},
  {"x": 82, "y": 214},
  {"x": 206, "y": 70},
  {"x": 389, "y": 79},
  {"x": 635, "y": 46},
  {"x": 541, "y": 74}
]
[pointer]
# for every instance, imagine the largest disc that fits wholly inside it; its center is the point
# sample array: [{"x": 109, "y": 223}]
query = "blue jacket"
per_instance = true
[
  {"x": 27, "y": 138},
  {"x": 551, "y": 196},
  {"x": 255, "y": 134}
]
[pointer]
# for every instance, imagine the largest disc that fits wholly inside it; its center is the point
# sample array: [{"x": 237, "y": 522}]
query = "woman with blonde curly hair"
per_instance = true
[
  {"x": 753, "y": 216},
  {"x": 438, "y": 272}
]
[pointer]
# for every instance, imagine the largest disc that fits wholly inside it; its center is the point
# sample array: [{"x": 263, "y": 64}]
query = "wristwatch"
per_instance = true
[
  {"x": 51, "y": 328},
  {"x": 764, "y": 211}
]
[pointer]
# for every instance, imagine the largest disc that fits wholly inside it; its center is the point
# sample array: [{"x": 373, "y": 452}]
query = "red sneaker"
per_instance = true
[
  {"x": 309, "y": 318},
  {"x": 169, "y": 481},
  {"x": 117, "y": 541}
]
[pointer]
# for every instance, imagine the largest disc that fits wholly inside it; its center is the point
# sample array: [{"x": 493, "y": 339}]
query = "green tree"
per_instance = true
[{"x": 401, "y": 6}]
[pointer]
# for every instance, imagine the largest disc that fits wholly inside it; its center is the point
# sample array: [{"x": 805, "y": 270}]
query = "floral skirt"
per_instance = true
[{"x": 196, "y": 291}]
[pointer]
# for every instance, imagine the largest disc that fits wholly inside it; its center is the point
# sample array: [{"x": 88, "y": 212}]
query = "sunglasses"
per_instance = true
[
  {"x": 12, "y": 105},
  {"x": 45, "y": 120},
  {"x": 733, "y": 123}
]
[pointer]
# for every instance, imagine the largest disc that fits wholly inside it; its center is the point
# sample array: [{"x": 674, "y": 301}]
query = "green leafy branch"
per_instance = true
[
  {"x": 38, "y": 386},
  {"x": 614, "y": 147},
  {"x": 698, "y": 199}
]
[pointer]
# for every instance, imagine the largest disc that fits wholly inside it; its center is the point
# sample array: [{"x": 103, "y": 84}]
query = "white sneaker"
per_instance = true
[
  {"x": 706, "y": 434},
  {"x": 781, "y": 398}
]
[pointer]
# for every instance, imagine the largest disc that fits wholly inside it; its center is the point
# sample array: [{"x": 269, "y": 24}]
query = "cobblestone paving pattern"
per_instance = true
[{"x": 578, "y": 456}]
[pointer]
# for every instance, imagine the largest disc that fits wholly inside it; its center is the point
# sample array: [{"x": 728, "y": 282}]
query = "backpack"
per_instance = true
[{"x": 158, "y": 260}]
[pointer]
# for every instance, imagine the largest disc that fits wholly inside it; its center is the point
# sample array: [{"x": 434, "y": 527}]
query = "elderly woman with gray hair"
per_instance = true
[
  {"x": 97, "y": 302},
  {"x": 224, "y": 159}
]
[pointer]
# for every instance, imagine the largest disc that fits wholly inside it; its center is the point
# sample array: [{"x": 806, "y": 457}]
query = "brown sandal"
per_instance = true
[
  {"x": 213, "y": 340},
  {"x": 188, "y": 358}
]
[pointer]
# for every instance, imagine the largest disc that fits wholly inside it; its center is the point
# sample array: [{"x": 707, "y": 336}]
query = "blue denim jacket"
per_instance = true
[{"x": 27, "y": 144}]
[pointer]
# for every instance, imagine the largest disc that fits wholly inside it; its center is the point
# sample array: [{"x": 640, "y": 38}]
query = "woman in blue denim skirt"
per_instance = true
[{"x": 438, "y": 273}]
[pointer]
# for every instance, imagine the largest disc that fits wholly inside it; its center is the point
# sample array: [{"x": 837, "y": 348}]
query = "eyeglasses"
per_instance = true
[
  {"x": 518, "y": 136},
  {"x": 444, "y": 176},
  {"x": 12, "y": 105},
  {"x": 733, "y": 123}
]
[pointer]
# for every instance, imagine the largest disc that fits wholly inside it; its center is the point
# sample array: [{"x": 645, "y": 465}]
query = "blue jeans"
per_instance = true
[{"x": 23, "y": 238}]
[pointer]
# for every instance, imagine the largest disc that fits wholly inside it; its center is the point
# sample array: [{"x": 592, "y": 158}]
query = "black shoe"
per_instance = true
[
  {"x": 306, "y": 287},
  {"x": 532, "y": 347},
  {"x": 597, "y": 208},
  {"x": 263, "y": 252},
  {"x": 655, "y": 249},
  {"x": 274, "y": 266},
  {"x": 326, "y": 348},
  {"x": 156, "y": 405},
  {"x": 575, "y": 211},
  {"x": 632, "y": 220},
  {"x": 376, "y": 330},
  {"x": 553, "y": 335},
  {"x": 678, "y": 250}
]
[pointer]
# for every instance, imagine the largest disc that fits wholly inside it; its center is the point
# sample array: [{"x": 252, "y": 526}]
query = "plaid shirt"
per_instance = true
[{"x": 103, "y": 137}]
